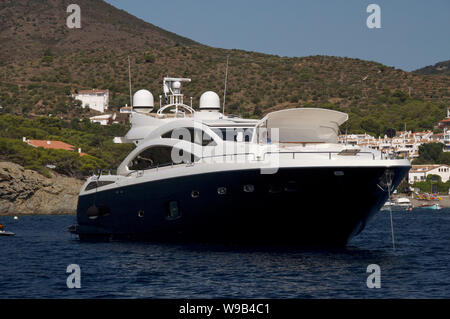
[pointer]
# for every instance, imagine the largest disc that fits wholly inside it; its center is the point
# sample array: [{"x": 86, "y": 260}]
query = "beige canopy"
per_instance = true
[{"x": 301, "y": 125}]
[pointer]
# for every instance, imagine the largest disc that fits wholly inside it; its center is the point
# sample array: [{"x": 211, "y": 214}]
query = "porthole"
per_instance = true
[
  {"x": 92, "y": 212},
  {"x": 173, "y": 211},
  {"x": 291, "y": 187},
  {"x": 275, "y": 189},
  {"x": 249, "y": 188},
  {"x": 222, "y": 190},
  {"x": 195, "y": 194}
]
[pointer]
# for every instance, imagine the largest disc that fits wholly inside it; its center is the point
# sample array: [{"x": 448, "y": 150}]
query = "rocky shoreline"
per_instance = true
[{"x": 26, "y": 192}]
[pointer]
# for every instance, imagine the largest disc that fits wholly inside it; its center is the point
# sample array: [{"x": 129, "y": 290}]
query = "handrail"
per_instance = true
[
  {"x": 101, "y": 171},
  {"x": 225, "y": 155},
  {"x": 189, "y": 164},
  {"x": 315, "y": 152}
]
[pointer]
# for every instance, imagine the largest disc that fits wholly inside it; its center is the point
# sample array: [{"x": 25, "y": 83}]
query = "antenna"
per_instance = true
[
  {"x": 346, "y": 133},
  {"x": 225, "y": 89},
  {"x": 129, "y": 80}
]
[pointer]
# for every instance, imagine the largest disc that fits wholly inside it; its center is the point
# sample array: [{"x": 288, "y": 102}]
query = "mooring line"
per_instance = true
[{"x": 390, "y": 212}]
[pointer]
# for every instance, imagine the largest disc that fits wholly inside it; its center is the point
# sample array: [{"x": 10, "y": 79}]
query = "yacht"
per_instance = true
[{"x": 198, "y": 174}]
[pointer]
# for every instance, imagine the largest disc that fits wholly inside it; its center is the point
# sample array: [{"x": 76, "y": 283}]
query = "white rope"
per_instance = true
[{"x": 390, "y": 212}]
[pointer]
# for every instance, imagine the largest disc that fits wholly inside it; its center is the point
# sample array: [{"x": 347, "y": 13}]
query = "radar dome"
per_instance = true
[
  {"x": 176, "y": 86},
  {"x": 143, "y": 101},
  {"x": 209, "y": 101}
]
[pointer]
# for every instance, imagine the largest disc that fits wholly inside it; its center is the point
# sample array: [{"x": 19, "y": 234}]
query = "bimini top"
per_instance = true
[{"x": 301, "y": 125}]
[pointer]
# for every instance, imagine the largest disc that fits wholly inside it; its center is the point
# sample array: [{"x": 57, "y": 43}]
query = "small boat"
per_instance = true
[
  {"x": 6, "y": 233},
  {"x": 3, "y": 232},
  {"x": 433, "y": 206},
  {"x": 400, "y": 205}
]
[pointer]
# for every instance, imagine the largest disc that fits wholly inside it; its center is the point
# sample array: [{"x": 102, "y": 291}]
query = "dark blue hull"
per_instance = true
[{"x": 296, "y": 206}]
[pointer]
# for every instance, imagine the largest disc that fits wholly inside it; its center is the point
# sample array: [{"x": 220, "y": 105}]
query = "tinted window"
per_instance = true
[
  {"x": 234, "y": 134},
  {"x": 159, "y": 156},
  {"x": 93, "y": 185},
  {"x": 192, "y": 135}
]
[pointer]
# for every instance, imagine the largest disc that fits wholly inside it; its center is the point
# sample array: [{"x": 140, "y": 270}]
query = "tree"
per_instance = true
[
  {"x": 444, "y": 158},
  {"x": 429, "y": 153},
  {"x": 370, "y": 126},
  {"x": 402, "y": 96},
  {"x": 403, "y": 187},
  {"x": 149, "y": 58}
]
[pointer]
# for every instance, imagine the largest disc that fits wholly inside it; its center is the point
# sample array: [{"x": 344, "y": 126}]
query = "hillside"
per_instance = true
[
  {"x": 29, "y": 28},
  {"x": 43, "y": 62},
  {"x": 441, "y": 68}
]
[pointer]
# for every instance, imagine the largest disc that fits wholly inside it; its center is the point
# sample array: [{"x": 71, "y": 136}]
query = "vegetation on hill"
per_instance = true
[
  {"x": 30, "y": 28},
  {"x": 42, "y": 63},
  {"x": 442, "y": 68},
  {"x": 55, "y": 61},
  {"x": 257, "y": 84},
  {"x": 432, "y": 153},
  {"x": 94, "y": 139}
]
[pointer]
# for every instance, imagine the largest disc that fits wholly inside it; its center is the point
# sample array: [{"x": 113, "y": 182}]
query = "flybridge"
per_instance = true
[
  {"x": 144, "y": 120},
  {"x": 174, "y": 106},
  {"x": 299, "y": 125}
]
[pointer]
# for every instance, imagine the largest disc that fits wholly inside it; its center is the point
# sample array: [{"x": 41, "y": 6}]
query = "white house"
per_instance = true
[
  {"x": 420, "y": 172},
  {"x": 94, "y": 99},
  {"x": 104, "y": 119}
]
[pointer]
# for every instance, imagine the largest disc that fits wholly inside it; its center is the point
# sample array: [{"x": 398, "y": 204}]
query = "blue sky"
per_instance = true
[{"x": 413, "y": 34}]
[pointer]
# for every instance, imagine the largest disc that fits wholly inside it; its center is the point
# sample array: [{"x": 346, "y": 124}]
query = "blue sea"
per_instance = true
[{"x": 33, "y": 264}]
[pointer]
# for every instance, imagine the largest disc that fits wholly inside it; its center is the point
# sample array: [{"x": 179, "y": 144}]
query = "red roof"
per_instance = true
[{"x": 58, "y": 145}]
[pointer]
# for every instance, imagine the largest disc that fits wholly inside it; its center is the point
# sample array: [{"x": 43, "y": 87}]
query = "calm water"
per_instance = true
[{"x": 33, "y": 264}]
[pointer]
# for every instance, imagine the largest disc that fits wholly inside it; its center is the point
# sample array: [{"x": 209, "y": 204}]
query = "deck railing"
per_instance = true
[
  {"x": 322, "y": 152},
  {"x": 263, "y": 157}
]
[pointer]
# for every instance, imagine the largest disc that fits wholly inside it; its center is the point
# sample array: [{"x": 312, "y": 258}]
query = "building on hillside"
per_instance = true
[
  {"x": 445, "y": 123},
  {"x": 104, "y": 119},
  {"x": 405, "y": 143},
  {"x": 56, "y": 145},
  {"x": 126, "y": 109},
  {"x": 419, "y": 173},
  {"x": 108, "y": 119},
  {"x": 446, "y": 140},
  {"x": 94, "y": 99}
]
